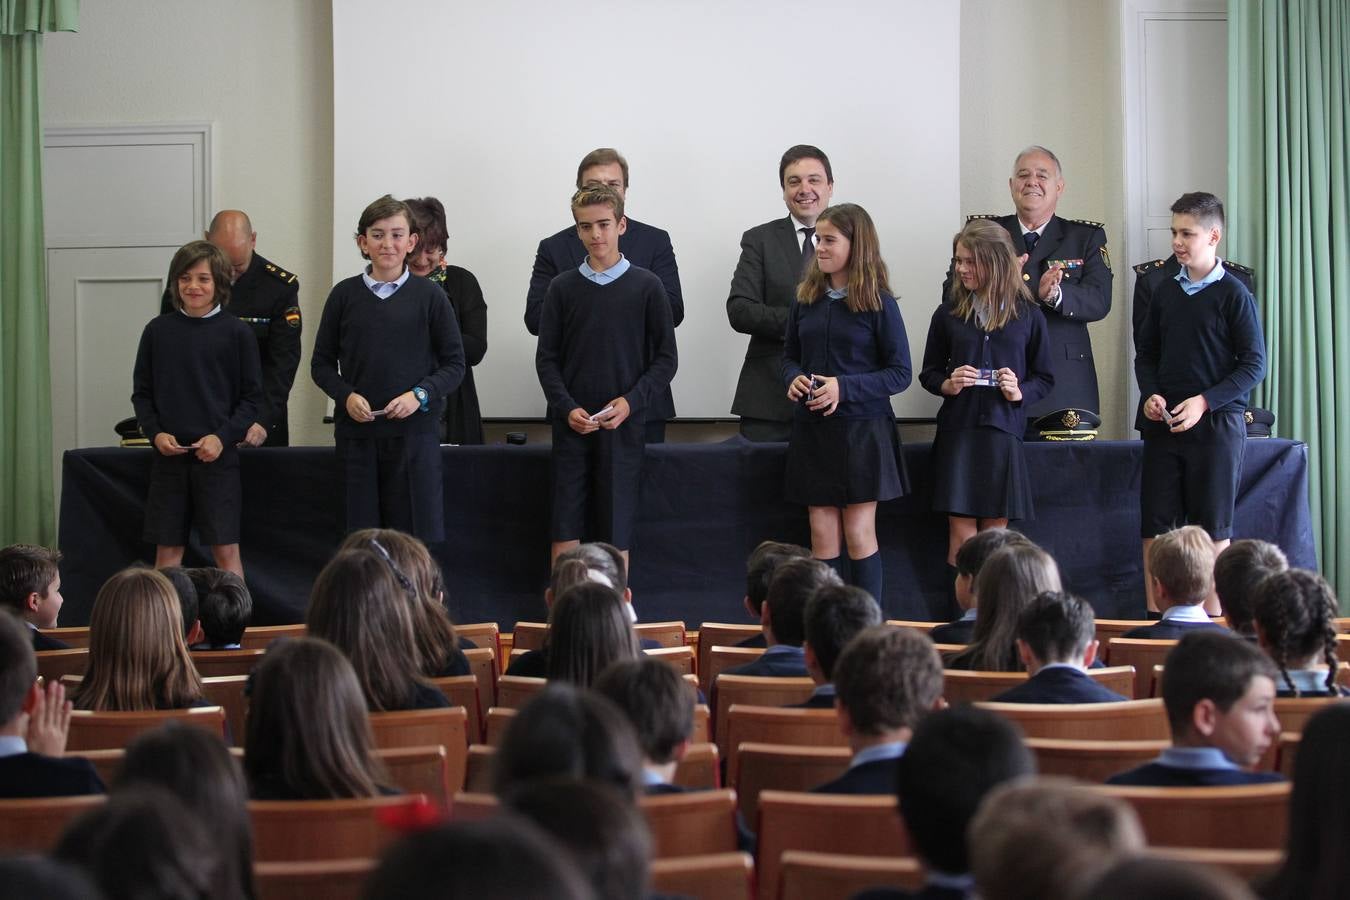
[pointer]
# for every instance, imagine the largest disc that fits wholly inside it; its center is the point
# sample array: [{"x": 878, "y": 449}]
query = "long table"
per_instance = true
[{"x": 703, "y": 508}]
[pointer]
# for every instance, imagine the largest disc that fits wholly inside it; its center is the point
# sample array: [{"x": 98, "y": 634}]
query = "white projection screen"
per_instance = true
[{"x": 490, "y": 106}]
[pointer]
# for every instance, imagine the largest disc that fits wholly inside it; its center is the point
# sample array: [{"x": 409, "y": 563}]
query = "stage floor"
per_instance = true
[{"x": 703, "y": 508}]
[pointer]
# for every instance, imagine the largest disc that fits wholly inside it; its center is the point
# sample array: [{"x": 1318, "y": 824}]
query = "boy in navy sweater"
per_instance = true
[
  {"x": 1219, "y": 691},
  {"x": 1199, "y": 354},
  {"x": 388, "y": 352},
  {"x": 1181, "y": 578},
  {"x": 196, "y": 389},
  {"x": 1056, "y": 642},
  {"x": 606, "y": 351}
]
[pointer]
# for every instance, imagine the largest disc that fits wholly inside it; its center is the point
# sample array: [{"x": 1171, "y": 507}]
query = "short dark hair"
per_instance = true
[
  {"x": 954, "y": 759},
  {"x": 384, "y": 208},
  {"x": 834, "y": 615},
  {"x": 226, "y": 606},
  {"x": 792, "y": 585},
  {"x": 1209, "y": 665},
  {"x": 971, "y": 555},
  {"x": 598, "y": 195},
  {"x": 887, "y": 678},
  {"x": 26, "y": 569},
  {"x": 429, "y": 222},
  {"x": 1057, "y": 626},
  {"x": 1237, "y": 572},
  {"x": 799, "y": 152},
  {"x": 656, "y": 700},
  {"x": 184, "y": 583},
  {"x": 1206, "y": 208},
  {"x": 1296, "y": 614},
  {"x": 188, "y": 256},
  {"x": 762, "y": 563},
  {"x": 18, "y": 665},
  {"x": 603, "y": 156}
]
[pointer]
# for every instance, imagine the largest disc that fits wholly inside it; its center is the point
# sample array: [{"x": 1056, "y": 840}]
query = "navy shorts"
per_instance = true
[
  {"x": 1191, "y": 478},
  {"x": 394, "y": 482},
  {"x": 184, "y": 491},
  {"x": 596, "y": 478}
]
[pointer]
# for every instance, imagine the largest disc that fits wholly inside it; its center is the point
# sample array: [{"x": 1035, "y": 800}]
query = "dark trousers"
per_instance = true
[{"x": 394, "y": 482}]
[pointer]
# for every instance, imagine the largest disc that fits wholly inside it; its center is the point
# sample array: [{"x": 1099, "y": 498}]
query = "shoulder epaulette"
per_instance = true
[
  {"x": 981, "y": 216},
  {"x": 280, "y": 274},
  {"x": 1143, "y": 268},
  {"x": 1088, "y": 223},
  {"x": 1229, "y": 264}
]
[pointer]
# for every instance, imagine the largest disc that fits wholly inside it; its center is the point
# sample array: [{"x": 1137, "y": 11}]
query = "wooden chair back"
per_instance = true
[
  {"x": 498, "y": 718},
  {"x": 483, "y": 665},
  {"x": 514, "y": 691},
  {"x": 1114, "y": 628},
  {"x": 1293, "y": 714},
  {"x": 1247, "y": 865},
  {"x": 34, "y": 824},
  {"x": 108, "y": 763},
  {"x": 702, "y": 724},
  {"x": 257, "y": 637},
  {"x": 470, "y": 807},
  {"x": 780, "y": 767},
  {"x": 1093, "y": 761},
  {"x": 75, "y": 636},
  {"x": 1129, "y": 720},
  {"x": 292, "y": 830},
  {"x": 478, "y": 771},
  {"x": 1287, "y": 752},
  {"x": 1143, "y": 655},
  {"x": 825, "y": 823},
  {"x": 700, "y": 770},
  {"x": 691, "y": 824},
  {"x": 753, "y": 690},
  {"x": 719, "y": 634},
  {"x": 719, "y": 659},
  {"x": 528, "y": 636},
  {"x": 227, "y": 692},
  {"x": 713, "y": 876},
  {"x": 781, "y": 727},
  {"x": 667, "y": 634},
  {"x": 834, "y": 876},
  {"x": 682, "y": 658},
  {"x": 423, "y": 770},
  {"x": 215, "y": 663},
  {"x": 328, "y": 879},
  {"x": 116, "y": 730},
  {"x": 53, "y": 665},
  {"x": 1343, "y": 647},
  {"x": 972, "y": 686},
  {"x": 1249, "y": 816},
  {"x": 462, "y": 690},
  {"x": 925, "y": 627},
  {"x": 485, "y": 635},
  {"x": 447, "y": 727}
]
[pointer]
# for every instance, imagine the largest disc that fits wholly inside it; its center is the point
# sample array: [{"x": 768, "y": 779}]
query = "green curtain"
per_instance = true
[
  {"x": 26, "y": 512},
  {"x": 1289, "y": 213}
]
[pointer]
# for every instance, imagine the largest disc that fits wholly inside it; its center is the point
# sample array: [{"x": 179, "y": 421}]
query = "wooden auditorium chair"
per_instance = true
[
  {"x": 484, "y": 666},
  {"x": 528, "y": 636},
  {"x": 667, "y": 634},
  {"x": 257, "y": 637},
  {"x": 833, "y": 876},
  {"x": 514, "y": 691},
  {"x": 682, "y": 658},
  {"x": 691, "y": 824},
  {"x": 1143, "y": 655},
  {"x": 780, "y": 767},
  {"x": 1247, "y": 865},
  {"x": 114, "y": 730},
  {"x": 779, "y": 726},
  {"x": 462, "y": 690},
  {"x": 485, "y": 635},
  {"x": 292, "y": 830},
  {"x": 1093, "y": 761},
  {"x": 228, "y": 692},
  {"x": 753, "y": 690},
  {"x": 53, "y": 665},
  {"x": 925, "y": 627},
  {"x": 447, "y": 727},
  {"x": 425, "y": 770},
  {"x": 973, "y": 685},
  {"x": 327, "y": 879},
  {"x": 712, "y": 876},
  {"x": 34, "y": 824},
  {"x": 1129, "y": 720},
  {"x": 74, "y": 637},
  {"x": 1243, "y": 817},
  {"x": 213, "y": 663},
  {"x": 719, "y": 634}
]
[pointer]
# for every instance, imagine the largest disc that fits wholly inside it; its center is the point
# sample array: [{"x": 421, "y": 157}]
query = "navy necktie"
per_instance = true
[
  {"x": 1031, "y": 238},
  {"x": 808, "y": 248}
]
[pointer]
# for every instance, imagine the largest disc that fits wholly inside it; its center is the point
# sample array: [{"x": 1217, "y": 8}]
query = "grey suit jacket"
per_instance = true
[{"x": 762, "y": 291}]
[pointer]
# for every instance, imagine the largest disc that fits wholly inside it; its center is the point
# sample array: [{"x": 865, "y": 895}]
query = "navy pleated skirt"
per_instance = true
[
  {"x": 838, "y": 462},
  {"x": 981, "y": 473}
]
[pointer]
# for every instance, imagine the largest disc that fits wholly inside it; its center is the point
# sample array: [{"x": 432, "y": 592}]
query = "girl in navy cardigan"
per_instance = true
[
  {"x": 988, "y": 358},
  {"x": 844, "y": 354}
]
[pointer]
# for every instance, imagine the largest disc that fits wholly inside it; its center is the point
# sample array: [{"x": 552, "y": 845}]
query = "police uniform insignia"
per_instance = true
[
  {"x": 293, "y": 316},
  {"x": 1248, "y": 416},
  {"x": 1026, "y": 277},
  {"x": 1071, "y": 419},
  {"x": 280, "y": 274},
  {"x": 1106, "y": 256},
  {"x": 1088, "y": 223}
]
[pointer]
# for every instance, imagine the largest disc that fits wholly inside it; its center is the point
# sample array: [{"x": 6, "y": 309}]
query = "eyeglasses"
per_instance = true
[{"x": 403, "y": 580}]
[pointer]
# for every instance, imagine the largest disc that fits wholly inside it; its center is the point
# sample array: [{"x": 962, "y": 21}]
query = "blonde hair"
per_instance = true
[
  {"x": 1183, "y": 562},
  {"x": 867, "y": 275},
  {"x": 1003, "y": 293},
  {"x": 138, "y": 660}
]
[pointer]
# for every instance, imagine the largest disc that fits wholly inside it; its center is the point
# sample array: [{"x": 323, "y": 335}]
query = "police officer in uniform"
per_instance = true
[
  {"x": 266, "y": 297},
  {"x": 1068, "y": 271}
]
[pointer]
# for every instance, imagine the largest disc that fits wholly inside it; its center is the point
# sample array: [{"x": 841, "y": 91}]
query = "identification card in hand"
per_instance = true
[
  {"x": 1167, "y": 416},
  {"x": 604, "y": 412},
  {"x": 985, "y": 378}
]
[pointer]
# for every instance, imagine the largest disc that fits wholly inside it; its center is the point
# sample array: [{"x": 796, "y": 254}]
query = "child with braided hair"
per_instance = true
[{"x": 1296, "y": 626}]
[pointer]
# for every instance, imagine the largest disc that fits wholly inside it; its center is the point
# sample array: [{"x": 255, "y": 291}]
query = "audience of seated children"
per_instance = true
[
  {"x": 957, "y": 756},
  {"x": 1237, "y": 572},
  {"x": 886, "y": 680},
  {"x": 503, "y": 857},
  {"x": 565, "y": 731},
  {"x": 660, "y": 706},
  {"x": 185, "y": 586},
  {"x": 138, "y": 659},
  {"x": 30, "y": 588},
  {"x": 224, "y": 607},
  {"x": 438, "y": 646},
  {"x": 1008, "y": 581},
  {"x": 1296, "y": 626},
  {"x": 582, "y": 564},
  {"x": 1181, "y": 569},
  {"x": 1039, "y": 838},
  {"x": 783, "y": 618},
  {"x": 308, "y": 735},
  {"x": 834, "y": 615},
  {"x": 1317, "y": 850},
  {"x": 597, "y": 825},
  {"x": 359, "y": 606},
  {"x": 1219, "y": 692},
  {"x": 145, "y": 844},
  {"x": 970, "y": 558},
  {"x": 196, "y": 767},
  {"x": 1055, "y": 639},
  {"x": 1158, "y": 878},
  {"x": 759, "y": 568},
  {"x": 34, "y": 722}
]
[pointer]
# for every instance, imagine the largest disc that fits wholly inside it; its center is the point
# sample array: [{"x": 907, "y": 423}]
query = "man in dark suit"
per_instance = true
[
  {"x": 33, "y": 726},
  {"x": 885, "y": 682},
  {"x": 773, "y": 257},
  {"x": 1068, "y": 271},
  {"x": 30, "y": 588},
  {"x": 645, "y": 246},
  {"x": 266, "y": 298},
  {"x": 1057, "y": 643},
  {"x": 783, "y": 618},
  {"x": 835, "y": 614}
]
